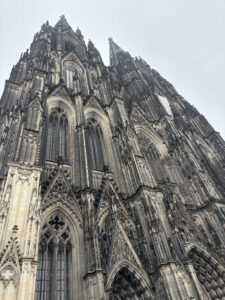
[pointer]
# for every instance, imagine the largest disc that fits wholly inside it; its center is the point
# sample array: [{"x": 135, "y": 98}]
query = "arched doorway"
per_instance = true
[
  {"x": 126, "y": 286},
  {"x": 209, "y": 272},
  {"x": 128, "y": 282}
]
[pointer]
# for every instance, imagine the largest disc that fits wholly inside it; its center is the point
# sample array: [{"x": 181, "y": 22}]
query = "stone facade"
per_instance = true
[{"x": 112, "y": 185}]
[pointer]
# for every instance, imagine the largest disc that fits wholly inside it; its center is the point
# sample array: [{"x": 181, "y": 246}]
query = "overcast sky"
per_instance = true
[{"x": 184, "y": 40}]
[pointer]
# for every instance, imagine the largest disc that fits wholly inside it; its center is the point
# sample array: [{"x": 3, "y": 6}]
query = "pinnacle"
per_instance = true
[
  {"x": 114, "y": 50},
  {"x": 91, "y": 45},
  {"x": 79, "y": 34},
  {"x": 114, "y": 46}
]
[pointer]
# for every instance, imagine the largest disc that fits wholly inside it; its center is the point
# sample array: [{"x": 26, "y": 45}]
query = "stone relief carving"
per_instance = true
[
  {"x": 5, "y": 201},
  {"x": 8, "y": 274},
  {"x": 121, "y": 250},
  {"x": 23, "y": 177},
  {"x": 10, "y": 260}
]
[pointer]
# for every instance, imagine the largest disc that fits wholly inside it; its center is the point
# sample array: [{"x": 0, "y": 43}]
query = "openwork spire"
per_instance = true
[{"x": 114, "y": 51}]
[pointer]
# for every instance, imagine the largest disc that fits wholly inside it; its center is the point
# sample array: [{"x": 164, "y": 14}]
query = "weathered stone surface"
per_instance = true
[{"x": 111, "y": 184}]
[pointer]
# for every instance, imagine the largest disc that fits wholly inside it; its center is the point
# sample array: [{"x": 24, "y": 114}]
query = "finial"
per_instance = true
[
  {"x": 78, "y": 33},
  {"x": 90, "y": 44}
]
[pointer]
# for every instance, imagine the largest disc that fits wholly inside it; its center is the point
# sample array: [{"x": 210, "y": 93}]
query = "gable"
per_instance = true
[
  {"x": 137, "y": 115},
  {"x": 35, "y": 103},
  {"x": 93, "y": 103},
  {"x": 72, "y": 57},
  {"x": 60, "y": 192},
  {"x": 11, "y": 254},
  {"x": 61, "y": 92},
  {"x": 122, "y": 248}
]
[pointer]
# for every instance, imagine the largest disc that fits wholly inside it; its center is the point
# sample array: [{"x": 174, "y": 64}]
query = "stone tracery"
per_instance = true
[
  {"x": 57, "y": 140},
  {"x": 117, "y": 187},
  {"x": 54, "y": 260}
]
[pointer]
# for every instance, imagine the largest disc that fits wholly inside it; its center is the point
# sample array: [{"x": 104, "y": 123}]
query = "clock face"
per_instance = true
[{"x": 7, "y": 273}]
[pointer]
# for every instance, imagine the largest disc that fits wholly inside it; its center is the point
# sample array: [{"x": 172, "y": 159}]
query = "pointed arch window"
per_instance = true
[
  {"x": 69, "y": 79},
  {"x": 153, "y": 158},
  {"x": 54, "y": 261},
  {"x": 95, "y": 145},
  {"x": 57, "y": 136}
]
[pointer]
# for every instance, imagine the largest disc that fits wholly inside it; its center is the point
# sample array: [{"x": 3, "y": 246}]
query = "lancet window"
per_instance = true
[
  {"x": 69, "y": 79},
  {"x": 33, "y": 116},
  {"x": 54, "y": 261},
  {"x": 153, "y": 158},
  {"x": 57, "y": 136},
  {"x": 95, "y": 145},
  {"x": 162, "y": 168},
  {"x": 74, "y": 76}
]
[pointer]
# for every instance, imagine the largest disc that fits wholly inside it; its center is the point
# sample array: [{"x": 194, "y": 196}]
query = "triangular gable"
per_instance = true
[
  {"x": 11, "y": 253},
  {"x": 137, "y": 115},
  {"x": 93, "y": 103},
  {"x": 10, "y": 261},
  {"x": 109, "y": 196},
  {"x": 60, "y": 192},
  {"x": 73, "y": 57},
  {"x": 69, "y": 33},
  {"x": 122, "y": 248},
  {"x": 36, "y": 103},
  {"x": 61, "y": 92}
]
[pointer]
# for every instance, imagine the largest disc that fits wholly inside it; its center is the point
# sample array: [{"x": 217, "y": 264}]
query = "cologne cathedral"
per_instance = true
[{"x": 111, "y": 184}]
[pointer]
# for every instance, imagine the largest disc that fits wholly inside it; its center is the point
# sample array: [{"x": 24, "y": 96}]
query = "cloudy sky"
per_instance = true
[{"x": 182, "y": 39}]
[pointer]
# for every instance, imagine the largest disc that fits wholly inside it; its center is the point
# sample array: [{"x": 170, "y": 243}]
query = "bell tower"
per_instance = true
[{"x": 111, "y": 184}]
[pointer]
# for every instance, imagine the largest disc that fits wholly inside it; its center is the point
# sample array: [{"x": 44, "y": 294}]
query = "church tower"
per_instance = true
[{"x": 111, "y": 184}]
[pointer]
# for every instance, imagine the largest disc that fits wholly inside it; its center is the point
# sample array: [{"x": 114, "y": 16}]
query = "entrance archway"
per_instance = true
[{"x": 209, "y": 272}]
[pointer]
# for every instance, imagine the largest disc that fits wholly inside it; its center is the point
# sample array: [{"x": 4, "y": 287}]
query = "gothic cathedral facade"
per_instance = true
[{"x": 111, "y": 184}]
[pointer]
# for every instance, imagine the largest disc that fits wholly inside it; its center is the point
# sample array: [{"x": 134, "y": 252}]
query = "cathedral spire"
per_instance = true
[
  {"x": 114, "y": 50},
  {"x": 127, "y": 176},
  {"x": 79, "y": 34},
  {"x": 63, "y": 22},
  {"x": 93, "y": 53}
]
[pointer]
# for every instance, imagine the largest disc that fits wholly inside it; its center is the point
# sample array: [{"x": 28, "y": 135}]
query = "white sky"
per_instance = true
[{"x": 184, "y": 40}]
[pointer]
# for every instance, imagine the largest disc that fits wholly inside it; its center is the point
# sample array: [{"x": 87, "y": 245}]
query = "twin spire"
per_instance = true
[{"x": 114, "y": 49}]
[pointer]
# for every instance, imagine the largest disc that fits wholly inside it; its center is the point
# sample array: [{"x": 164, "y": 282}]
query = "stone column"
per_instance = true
[
  {"x": 195, "y": 281},
  {"x": 17, "y": 265},
  {"x": 94, "y": 284}
]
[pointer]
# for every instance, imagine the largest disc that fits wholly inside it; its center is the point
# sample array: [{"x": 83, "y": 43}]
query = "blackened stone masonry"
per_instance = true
[{"x": 111, "y": 184}]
